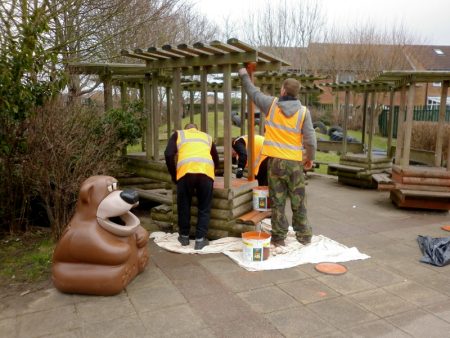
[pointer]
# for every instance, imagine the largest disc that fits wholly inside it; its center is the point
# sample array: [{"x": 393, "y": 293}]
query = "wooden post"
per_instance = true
[
  {"x": 216, "y": 118},
  {"x": 344, "y": 122},
  {"x": 204, "y": 99},
  {"x": 141, "y": 97},
  {"x": 156, "y": 116},
  {"x": 148, "y": 115},
  {"x": 364, "y": 121},
  {"x": 176, "y": 88},
  {"x": 261, "y": 115},
  {"x": 243, "y": 106},
  {"x": 370, "y": 127},
  {"x": 123, "y": 95},
  {"x": 191, "y": 106},
  {"x": 251, "y": 129},
  {"x": 408, "y": 127},
  {"x": 169, "y": 112},
  {"x": 448, "y": 155},
  {"x": 227, "y": 125},
  {"x": 107, "y": 92},
  {"x": 390, "y": 121},
  {"x": 441, "y": 124},
  {"x": 400, "y": 126}
]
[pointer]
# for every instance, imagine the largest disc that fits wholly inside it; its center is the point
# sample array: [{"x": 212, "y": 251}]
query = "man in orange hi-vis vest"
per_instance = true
[
  {"x": 290, "y": 143},
  {"x": 191, "y": 158},
  {"x": 239, "y": 147}
]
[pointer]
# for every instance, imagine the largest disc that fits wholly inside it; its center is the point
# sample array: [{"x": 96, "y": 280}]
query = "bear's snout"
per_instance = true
[{"x": 130, "y": 196}]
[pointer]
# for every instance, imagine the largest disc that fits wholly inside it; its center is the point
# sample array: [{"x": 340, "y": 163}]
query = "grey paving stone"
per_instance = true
[
  {"x": 438, "y": 282},
  {"x": 382, "y": 302},
  {"x": 284, "y": 275},
  {"x": 193, "y": 288},
  {"x": 299, "y": 322},
  {"x": 165, "y": 259},
  {"x": 220, "y": 308},
  {"x": 151, "y": 276},
  {"x": 376, "y": 329},
  {"x": 416, "y": 293},
  {"x": 188, "y": 271},
  {"x": 268, "y": 299},
  {"x": 243, "y": 280},
  {"x": 378, "y": 275},
  {"x": 409, "y": 268},
  {"x": 249, "y": 325},
  {"x": 419, "y": 323},
  {"x": 346, "y": 283},
  {"x": 36, "y": 324},
  {"x": 219, "y": 264},
  {"x": 172, "y": 321},
  {"x": 130, "y": 326},
  {"x": 341, "y": 313},
  {"x": 442, "y": 310},
  {"x": 8, "y": 327},
  {"x": 94, "y": 310},
  {"x": 77, "y": 333},
  {"x": 308, "y": 290},
  {"x": 158, "y": 297}
]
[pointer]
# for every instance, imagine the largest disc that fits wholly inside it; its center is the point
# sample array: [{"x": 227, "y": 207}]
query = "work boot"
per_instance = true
[
  {"x": 304, "y": 239},
  {"x": 277, "y": 242},
  {"x": 200, "y": 243},
  {"x": 184, "y": 240}
]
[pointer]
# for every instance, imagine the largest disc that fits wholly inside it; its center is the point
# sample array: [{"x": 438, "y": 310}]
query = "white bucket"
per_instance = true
[
  {"x": 256, "y": 246},
  {"x": 261, "y": 201}
]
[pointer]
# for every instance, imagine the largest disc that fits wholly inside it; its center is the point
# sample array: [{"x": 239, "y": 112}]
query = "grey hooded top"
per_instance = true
[{"x": 288, "y": 108}]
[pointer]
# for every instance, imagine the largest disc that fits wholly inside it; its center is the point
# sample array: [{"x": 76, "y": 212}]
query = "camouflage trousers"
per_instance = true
[{"x": 286, "y": 179}]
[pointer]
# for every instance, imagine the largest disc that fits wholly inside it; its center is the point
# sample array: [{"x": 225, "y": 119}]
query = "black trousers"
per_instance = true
[
  {"x": 201, "y": 186},
  {"x": 262, "y": 173}
]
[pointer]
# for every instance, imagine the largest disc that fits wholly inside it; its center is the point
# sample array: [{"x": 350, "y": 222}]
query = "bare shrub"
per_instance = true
[
  {"x": 65, "y": 146},
  {"x": 423, "y": 136}
]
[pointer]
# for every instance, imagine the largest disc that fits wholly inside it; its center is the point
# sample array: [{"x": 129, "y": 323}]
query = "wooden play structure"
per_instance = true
[
  {"x": 426, "y": 187},
  {"x": 358, "y": 165},
  {"x": 170, "y": 69}
]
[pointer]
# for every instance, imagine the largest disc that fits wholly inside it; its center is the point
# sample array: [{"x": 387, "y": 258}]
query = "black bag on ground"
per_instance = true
[{"x": 436, "y": 251}]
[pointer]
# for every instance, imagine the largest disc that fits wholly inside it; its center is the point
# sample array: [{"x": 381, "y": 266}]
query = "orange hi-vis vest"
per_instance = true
[
  {"x": 259, "y": 157},
  {"x": 283, "y": 137},
  {"x": 194, "y": 153}
]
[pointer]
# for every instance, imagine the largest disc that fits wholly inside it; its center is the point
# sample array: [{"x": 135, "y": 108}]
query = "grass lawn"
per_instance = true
[
  {"x": 379, "y": 142},
  {"x": 25, "y": 258}
]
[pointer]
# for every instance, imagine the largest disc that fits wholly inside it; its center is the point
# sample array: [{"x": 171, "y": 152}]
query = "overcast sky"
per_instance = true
[{"x": 429, "y": 20}]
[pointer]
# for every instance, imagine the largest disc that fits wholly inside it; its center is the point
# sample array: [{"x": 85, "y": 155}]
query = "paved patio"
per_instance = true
[{"x": 390, "y": 294}]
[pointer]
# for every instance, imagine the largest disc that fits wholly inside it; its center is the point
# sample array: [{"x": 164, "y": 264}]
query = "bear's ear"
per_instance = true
[{"x": 86, "y": 193}]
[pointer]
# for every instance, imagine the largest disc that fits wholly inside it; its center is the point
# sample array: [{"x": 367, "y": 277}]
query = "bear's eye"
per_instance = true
[
  {"x": 115, "y": 185},
  {"x": 110, "y": 188}
]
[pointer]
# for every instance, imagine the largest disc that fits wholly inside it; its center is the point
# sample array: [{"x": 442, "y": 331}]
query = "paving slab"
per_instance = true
[
  {"x": 391, "y": 294},
  {"x": 308, "y": 290},
  {"x": 419, "y": 323},
  {"x": 382, "y": 303},
  {"x": 299, "y": 322}
]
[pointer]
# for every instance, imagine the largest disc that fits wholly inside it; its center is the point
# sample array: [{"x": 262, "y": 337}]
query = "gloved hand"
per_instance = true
[
  {"x": 239, "y": 173},
  {"x": 242, "y": 71}
]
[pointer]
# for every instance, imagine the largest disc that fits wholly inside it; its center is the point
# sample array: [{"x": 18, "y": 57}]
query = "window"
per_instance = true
[{"x": 438, "y": 51}]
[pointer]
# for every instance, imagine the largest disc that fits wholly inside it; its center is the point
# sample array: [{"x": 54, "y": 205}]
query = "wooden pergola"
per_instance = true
[
  {"x": 358, "y": 168},
  {"x": 172, "y": 68},
  {"x": 413, "y": 186},
  {"x": 178, "y": 61}
]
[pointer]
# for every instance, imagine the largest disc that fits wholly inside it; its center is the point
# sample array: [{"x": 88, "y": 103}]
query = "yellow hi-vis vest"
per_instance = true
[
  {"x": 258, "y": 143},
  {"x": 283, "y": 137},
  {"x": 194, "y": 153}
]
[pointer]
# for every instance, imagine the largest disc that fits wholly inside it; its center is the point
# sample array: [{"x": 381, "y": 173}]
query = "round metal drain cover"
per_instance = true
[
  {"x": 331, "y": 268},
  {"x": 445, "y": 227}
]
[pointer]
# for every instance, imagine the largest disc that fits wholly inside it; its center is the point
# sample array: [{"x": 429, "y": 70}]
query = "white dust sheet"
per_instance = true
[{"x": 321, "y": 249}]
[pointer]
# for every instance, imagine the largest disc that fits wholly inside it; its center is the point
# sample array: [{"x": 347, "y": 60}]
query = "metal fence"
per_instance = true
[{"x": 421, "y": 113}]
